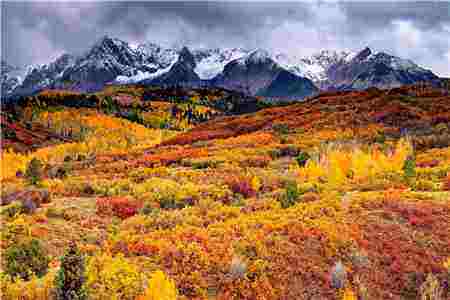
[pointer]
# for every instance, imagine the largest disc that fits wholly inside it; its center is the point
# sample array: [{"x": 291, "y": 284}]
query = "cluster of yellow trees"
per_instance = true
[
  {"x": 104, "y": 134},
  {"x": 337, "y": 165}
]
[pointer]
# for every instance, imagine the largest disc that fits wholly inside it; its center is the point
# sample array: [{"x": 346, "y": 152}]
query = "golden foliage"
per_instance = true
[
  {"x": 113, "y": 278},
  {"x": 447, "y": 264},
  {"x": 159, "y": 288},
  {"x": 349, "y": 295},
  {"x": 33, "y": 289},
  {"x": 102, "y": 134},
  {"x": 337, "y": 165}
]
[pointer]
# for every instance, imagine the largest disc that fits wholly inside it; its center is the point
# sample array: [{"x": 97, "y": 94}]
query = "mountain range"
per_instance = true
[{"x": 255, "y": 72}]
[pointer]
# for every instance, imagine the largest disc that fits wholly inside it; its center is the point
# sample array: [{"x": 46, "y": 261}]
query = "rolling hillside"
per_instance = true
[{"x": 342, "y": 196}]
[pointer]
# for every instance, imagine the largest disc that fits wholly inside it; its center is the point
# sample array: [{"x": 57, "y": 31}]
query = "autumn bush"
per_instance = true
[
  {"x": 147, "y": 209},
  {"x": 25, "y": 258},
  {"x": 36, "y": 288},
  {"x": 159, "y": 287},
  {"x": 167, "y": 193},
  {"x": 431, "y": 289},
  {"x": 349, "y": 294},
  {"x": 198, "y": 164},
  {"x": 12, "y": 209},
  {"x": 60, "y": 171},
  {"x": 31, "y": 199},
  {"x": 425, "y": 185},
  {"x": 241, "y": 185},
  {"x": 113, "y": 277},
  {"x": 122, "y": 207},
  {"x": 13, "y": 163},
  {"x": 260, "y": 161},
  {"x": 110, "y": 188}
]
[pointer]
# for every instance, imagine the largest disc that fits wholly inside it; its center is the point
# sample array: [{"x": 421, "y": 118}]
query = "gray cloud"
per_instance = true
[{"x": 37, "y": 32}]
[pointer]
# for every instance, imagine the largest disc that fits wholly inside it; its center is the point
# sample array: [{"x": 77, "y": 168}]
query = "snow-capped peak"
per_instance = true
[
  {"x": 313, "y": 67},
  {"x": 157, "y": 56},
  {"x": 210, "y": 62},
  {"x": 363, "y": 54}
]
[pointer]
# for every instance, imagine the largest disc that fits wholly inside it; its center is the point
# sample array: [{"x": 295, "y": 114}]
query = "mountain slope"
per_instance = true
[
  {"x": 258, "y": 74},
  {"x": 289, "y": 85},
  {"x": 8, "y": 82},
  {"x": 315, "y": 66},
  {"x": 112, "y": 61},
  {"x": 381, "y": 70},
  {"x": 211, "y": 62},
  {"x": 249, "y": 74},
  {"x": 106, "y": 60},
  {"x": 181, "y": 72}
]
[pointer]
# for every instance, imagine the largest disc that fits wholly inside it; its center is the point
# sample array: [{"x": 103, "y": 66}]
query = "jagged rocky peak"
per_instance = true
[
  {"x": 186, "y": 57},
  {"x": 108, "y": 46},
  {"x": 60, "y": 64},
  {"x": 363, "y": 54},
  {"x": 148, "y": 49},
  {"x": 106, "y": 42},
  {"x": 156, "y": 56},
  {"x": 258, "y": 56},
  {"x": 65, "y": 59}
]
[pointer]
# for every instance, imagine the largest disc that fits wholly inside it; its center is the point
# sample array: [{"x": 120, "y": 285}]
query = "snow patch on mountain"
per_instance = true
[
  {"x": 398, "y": 64},
  {"x": 210, "y": 63},
  {"x": 140, "y": 75},
  {"x": 156, "y": 55},
  {"x": 315, "y": 66}
]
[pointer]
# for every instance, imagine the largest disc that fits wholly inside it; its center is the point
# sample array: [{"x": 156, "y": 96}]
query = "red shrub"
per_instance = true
[
  {"x": 428, "y": 164},
  {"x": 241, "y": 185},
  {"x": 122, "y": 207}
]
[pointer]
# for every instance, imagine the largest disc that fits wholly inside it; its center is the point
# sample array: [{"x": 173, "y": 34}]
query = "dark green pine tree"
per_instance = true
[{"x": 70, "y": 279}]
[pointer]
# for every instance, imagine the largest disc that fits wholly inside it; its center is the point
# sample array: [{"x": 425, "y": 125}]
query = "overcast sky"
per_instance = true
[{"x": 37, "y": 32}]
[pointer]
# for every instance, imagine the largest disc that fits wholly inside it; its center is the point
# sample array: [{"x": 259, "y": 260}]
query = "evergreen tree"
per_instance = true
[{"x": 70, "y": 279}]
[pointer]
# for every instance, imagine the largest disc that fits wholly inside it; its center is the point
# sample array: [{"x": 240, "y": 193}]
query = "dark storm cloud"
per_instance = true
[
  {"x": 36, "y": 32},
  {"x": 425, "y": 15},
  {"x": 212, "y": 23}
]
